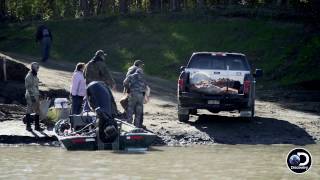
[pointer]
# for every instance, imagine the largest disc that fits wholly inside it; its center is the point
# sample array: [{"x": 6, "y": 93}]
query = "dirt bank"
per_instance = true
[{"x": 282, "y": 117}]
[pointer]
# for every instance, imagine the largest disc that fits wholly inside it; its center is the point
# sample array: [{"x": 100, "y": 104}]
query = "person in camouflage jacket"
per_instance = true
[
  {"x": 137, "y": 85},
  {"x": 32, "y": 97}
]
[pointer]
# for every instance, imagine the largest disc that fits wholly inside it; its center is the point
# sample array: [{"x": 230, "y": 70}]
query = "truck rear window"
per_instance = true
[{"x": 209, "y": 61}]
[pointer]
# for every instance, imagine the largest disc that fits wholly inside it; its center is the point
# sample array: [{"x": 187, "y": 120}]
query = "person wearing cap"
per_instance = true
[
  {"x": 96, "y": 70},
  {"x": 137, "y": 86},
  {"x": 32, "y": 97},
  {"x": 124, "y": 101},
  {"x": 137, "y": 64}
]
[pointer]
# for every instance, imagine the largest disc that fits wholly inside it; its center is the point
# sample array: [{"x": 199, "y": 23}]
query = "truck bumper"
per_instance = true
[{"x": 213, "y": 102}]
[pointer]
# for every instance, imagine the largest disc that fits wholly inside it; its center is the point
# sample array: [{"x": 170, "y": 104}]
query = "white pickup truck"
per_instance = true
[{"x": 216, "y": 81}]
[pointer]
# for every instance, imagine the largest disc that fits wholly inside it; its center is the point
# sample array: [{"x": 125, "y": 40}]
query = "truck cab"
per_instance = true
[{"x": 216, "y": 81}]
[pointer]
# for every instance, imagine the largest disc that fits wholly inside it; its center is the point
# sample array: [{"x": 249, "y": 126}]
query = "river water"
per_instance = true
[{"x": 197, "y": 162}]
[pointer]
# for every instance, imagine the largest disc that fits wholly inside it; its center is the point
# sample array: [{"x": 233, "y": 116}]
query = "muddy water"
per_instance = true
[{"x": 199, "y": 162}]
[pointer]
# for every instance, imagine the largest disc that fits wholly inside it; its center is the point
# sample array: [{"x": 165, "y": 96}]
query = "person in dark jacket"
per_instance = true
[
  {"x": 96, "y": 70},
  {"x": 44, "y": 36},
  {"x": 100, "y": 99}
]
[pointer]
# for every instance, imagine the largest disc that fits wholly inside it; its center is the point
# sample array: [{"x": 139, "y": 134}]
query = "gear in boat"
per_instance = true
[{"x": 100, "y": 129}]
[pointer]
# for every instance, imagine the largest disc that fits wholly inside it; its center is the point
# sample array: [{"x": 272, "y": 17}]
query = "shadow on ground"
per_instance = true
[{"x": 233, "y": 130}]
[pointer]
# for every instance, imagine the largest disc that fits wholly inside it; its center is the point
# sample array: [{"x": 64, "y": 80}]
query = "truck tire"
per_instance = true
[
  {"x": 183, "y": 117},
  {"x": 193, "y": 111},
  {"x": 183, "y": 114},
  {"x": 251, "y": 118},
  {"x": 252, "y": 111}
]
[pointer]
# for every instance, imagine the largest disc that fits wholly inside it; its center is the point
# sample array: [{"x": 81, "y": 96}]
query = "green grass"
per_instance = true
[{"x": 287, "y": 54}]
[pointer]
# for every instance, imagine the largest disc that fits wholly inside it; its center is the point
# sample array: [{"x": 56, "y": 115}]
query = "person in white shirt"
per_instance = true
[{"x": 78, "y": 89}]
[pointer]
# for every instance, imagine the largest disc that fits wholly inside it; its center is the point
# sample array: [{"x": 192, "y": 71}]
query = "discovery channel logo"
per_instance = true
[{"x": 299, "y": 160}]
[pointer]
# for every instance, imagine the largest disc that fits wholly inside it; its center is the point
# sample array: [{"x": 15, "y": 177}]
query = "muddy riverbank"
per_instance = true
[{"x": 282, "y": 117}]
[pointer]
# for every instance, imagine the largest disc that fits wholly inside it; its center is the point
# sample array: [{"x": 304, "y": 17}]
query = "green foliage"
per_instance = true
[
  {"x": 307, "y": 64},
  {"x": 53, "y": 9},
  {"x": 285, "y": 52}
]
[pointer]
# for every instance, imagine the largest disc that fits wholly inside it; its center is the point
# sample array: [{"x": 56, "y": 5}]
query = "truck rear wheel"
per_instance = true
[
  {"x": 248, "y": 114},
  {"x": 183, "y": 114},
  {"x": 183, "y": 117},
  {"x": 252, "y": 111},
  {"x": 193, "y": 111}
]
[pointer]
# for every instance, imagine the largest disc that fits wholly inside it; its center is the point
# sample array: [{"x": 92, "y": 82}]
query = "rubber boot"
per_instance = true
[
  {"x": 37, "y": 123},
  {"x": 28, "y": 122}
]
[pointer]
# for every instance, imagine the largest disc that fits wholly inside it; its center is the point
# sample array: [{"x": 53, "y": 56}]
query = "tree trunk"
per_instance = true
[
  {"x": 68, "y": 9},
  {"x": 200, "y": 4},
  {"x": 102, "y": 7},
  {"x": 3, "y": 9},
  {"x": 139, "y": 5},
  {"x": 84, "y": 7},
  {"x": 91, "y": 7},
  {"x": 123, "y": 6},
  {"x": 175, "y": 5},
  {"x": 155, "y": 5}
]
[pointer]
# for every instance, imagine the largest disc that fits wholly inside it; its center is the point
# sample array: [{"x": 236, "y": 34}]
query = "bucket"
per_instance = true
[
  {"x": 60, "y": 110},
  {"x": 61, "y": 103}
]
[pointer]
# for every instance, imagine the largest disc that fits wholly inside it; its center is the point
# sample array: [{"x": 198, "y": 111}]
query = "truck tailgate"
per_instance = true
[{"x": 216, "y": 81}]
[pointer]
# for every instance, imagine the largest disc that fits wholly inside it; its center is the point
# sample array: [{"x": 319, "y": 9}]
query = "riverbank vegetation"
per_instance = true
[{"x": 279, "y": 36}]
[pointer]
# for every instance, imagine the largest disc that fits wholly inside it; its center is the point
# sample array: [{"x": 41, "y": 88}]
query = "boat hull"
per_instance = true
[{"x": 124, "y": 142}]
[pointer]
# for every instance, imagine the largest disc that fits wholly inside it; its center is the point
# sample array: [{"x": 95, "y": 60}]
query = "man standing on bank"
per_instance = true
[
  {"x": 137, "y": 85},
  {"x": 32, "y": 97},
  {"x": 96, "y": 70},
  {"x": 44, "y": 36}
]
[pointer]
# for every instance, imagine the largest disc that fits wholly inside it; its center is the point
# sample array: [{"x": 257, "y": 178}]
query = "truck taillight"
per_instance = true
[
  {"x": 181, "y": 84},
  {"x": 246, "y": 86}
]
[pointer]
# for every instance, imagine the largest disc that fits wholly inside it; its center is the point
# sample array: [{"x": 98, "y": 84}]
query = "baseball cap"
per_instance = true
[
  {"x": 138, "y": 62},
  {"x": 100, "y": 53}
]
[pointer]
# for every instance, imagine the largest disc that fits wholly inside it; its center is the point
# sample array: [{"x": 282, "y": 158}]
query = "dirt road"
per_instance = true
[{"x": 281, "y": 117}]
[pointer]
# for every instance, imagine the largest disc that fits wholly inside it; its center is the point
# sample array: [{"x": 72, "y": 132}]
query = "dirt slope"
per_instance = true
[{"x": 279, "y": 119}]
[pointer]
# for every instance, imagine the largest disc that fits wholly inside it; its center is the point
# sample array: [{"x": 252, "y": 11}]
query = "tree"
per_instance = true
[
  {"x": 3, "y": 9},
  {"x": 155, "y": 5},
  {"x": 123, "y": 5},
  {"x": 200, "y": 4},
  {"x": 91, "y": 4},
  {"x": 84, "y": 8},
  {"x": 102, "y": 7},
  {"x": 175, "y": 5}
]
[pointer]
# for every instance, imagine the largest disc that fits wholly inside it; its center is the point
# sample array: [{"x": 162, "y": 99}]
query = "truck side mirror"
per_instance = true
[
  {"x": 182, "y": 68},
  {"x": 258, "y": 73}
]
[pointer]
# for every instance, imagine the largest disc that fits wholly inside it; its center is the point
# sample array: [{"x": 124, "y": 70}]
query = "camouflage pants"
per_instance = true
[
  {"x": 135, "y": 106},
  {"x": 33, "y": 107}
]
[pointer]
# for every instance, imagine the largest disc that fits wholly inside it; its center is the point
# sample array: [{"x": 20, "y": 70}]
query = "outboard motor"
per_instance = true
[{"x": 100, "y": 98}]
